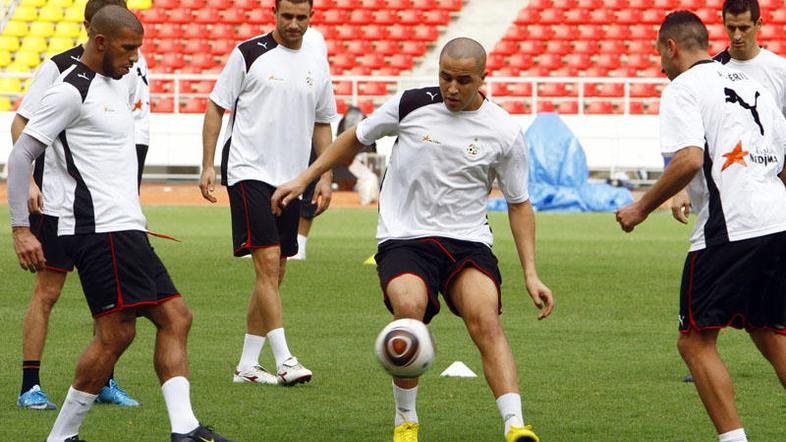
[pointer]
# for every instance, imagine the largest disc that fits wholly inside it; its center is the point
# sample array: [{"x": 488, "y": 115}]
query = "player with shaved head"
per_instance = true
[
  {"x": 86, "y": 118},
  {"x": 726, "y": 137},
  {"x": 43, "y": 203},
  {"x": 433, "y": 234}
]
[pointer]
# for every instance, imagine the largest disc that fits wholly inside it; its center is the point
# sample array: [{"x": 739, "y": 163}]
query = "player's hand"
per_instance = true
[
  {"x": 323, "y": 193},
  {"x": 541, "y": 296},
  {"x": 28, "y": 250},
  {"x": 286, "y": 193},
  {"x": 631, "y": 216},
  {"x": 35, "y": 200},
  {"x": 207, "y": 184},
  {"x": 680, "y": 206}
]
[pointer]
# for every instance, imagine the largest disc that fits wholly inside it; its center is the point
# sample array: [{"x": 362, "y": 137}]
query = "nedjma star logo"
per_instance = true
[{"x": 737, "y": 155}]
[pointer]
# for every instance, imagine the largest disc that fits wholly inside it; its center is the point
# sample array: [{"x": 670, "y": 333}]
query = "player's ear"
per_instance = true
[
  {"x": 671, "y": 46},
  {"x": 101, "y": 42}
]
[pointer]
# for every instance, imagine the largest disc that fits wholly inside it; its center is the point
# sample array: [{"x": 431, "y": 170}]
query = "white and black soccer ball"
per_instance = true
[{"x": 405, "y": 348}]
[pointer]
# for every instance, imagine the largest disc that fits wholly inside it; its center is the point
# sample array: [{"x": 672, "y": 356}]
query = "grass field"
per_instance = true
[{"x": 603, "y": 367}]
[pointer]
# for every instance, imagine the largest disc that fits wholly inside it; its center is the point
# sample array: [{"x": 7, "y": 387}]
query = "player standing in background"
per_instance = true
[
  {"x": 279, "y": 89},
  {"x": 433, "y": 232},
  {"x": 726, "y": 137},
  {"x": 742, "y": 20},
  {"x": 43, "y": 204},
  {"x": 86, "y": 116}
]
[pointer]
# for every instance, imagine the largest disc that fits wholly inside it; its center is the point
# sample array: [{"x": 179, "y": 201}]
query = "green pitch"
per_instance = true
[{"x": 603, "y": 367}]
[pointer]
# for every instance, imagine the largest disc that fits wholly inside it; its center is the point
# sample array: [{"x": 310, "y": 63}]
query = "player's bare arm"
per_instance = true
[
  {"x": 210, "y": 130},
  {"x": 522, "y": 225},
  {"x": 323, "y": 136},
  {"x": 685, "y": 164},
  {"x": 346, "y": 146}
]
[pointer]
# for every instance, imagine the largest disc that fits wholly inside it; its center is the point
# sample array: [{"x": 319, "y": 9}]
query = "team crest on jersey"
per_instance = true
[
  {"x": 427, "y": 139},
  {"x": 736, "y": 156},
  {"x": 309, "y": 79},
  {"x": 273, "y": 77},
  {"x": 473, "y": 149}
]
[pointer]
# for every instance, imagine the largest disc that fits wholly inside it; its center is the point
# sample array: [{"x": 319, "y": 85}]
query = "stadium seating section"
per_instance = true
[{"x": 548, "y": 38}]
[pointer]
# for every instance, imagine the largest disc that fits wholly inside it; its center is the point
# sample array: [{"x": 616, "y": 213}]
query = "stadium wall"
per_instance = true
[{"x": 612, "y": 142}]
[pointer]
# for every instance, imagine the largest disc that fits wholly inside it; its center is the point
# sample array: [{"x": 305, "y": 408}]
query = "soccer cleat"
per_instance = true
[
  {"x": 522, "y": 434},
  {"x": 406, "y": 432},
  {"x": 255, "y": 375},
  {"x": 200, "y": 434},
  {"x": 72, "y": 439},
  {"x": 292, "y": 372},
  {"x": 113, "y": 394},
  {"x": 35, "y": 399}
]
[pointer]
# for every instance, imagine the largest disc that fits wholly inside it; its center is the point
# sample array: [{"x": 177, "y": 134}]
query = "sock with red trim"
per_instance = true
[{"x": 30, "y": 377}]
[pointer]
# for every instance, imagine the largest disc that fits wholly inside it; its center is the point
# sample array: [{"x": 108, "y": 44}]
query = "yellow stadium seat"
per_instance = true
[
  {"x": 16, "y": 67},
  {"x": 140, "y": 4},
  {"x": 8, "y": 43},
  {"x": 27, "y": 58},
  {"x": 50, "y": 13},
  {"x": 41, "y": 29},
  {"x": 15, "y": 28},
  {"x": 67, "y": 29},
  {"x": 33, "y": 44},
  {"x": 5, "y": 104},
  {"x": 58, "y": 45},
  {"x": 25, "y": 13},
  {"x": 33, "y": 3},
  {"x": 61, "y": 3},
  {"x": 74, "y": 14},
  {"x": 10, "y": 85},
  {"x": 5, "y": 58}
]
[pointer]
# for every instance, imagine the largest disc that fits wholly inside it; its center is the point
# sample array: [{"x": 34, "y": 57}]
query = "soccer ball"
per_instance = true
[{"x": 405, "y": 348}]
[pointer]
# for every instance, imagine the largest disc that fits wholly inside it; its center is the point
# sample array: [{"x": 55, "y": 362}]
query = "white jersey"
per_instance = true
[
  {"x": 87, "y": 119},
  {"x": 443, "y": 165},
  {"x": 276, "y": 95},
  {"x": 768, "y": 68},
  {"x": 737, "y": 195},
  {"x": 47, "y": 174}
]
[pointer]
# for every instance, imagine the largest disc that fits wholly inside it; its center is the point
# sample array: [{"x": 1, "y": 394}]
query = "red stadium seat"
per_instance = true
[
  {"x": 549, "y": 61},
  {"x": 426, "y": 33},
  {"x": 589, "y": 4},
  {"x": 495, "y": 61},
  {"x": 218, "y": 4},
  {"x": 565, "y": 32},
  {"x": 611, "y": 90},
  {"x": 194, "y": 106},
  {"x": 596, "y": 71},
  {"x": 640, "y": 4},
  {"x": 172, "y": 60},
  {"x": 599, "y": 107},
  {"x": 552, "y": 16},
  {"x": 617, "y": 32},
  {"x": 532, "y": 47},
  {"x": 768, "y": 32},
  {"x": 585, "y": 47},
  {"x": 424, "y": 5},
  {"x": 578, "y": 61},
  {"x": 335, "y": 17},
  {"x": 520, "y": 89},
  {"x": 577, "y": 16},
  {"x": 191, "y": 4},
  {"x": 180, "y": 16},
  {"x": 347, "y": 32},
  {"x": 539, "y": 4},
  {"x": 643, "y": 32},
  {"x": 653, "y": 108},
  {"x": 591, "y": 32},
  {"x": 436, "y": 17},
  {"x": 777, "y": 46},
  {"x": 401, "y": 61},
  {"x": 246, "y": 31},
  {"x": 366, "y": 106},
  {"x": 260, "y": 16},
  {"x": 666, "y": 5},
  {"x": 195, "y": 30},
  {"x": 514, "y": 107},
  {"x": 545, "y": 106},
  {"x": 347, "y": 4},
  {"x": 359, "y": 47},
  {"x": 564, "y": 4},
  {"x": 629, "y": 16},
  {"x": 160, "y": 86},
  {"x": 372, "y": 60},
  {"x": 521, "y": 61},
  {"x": 568, "y": 107},
  {"x": 388, "y": 71},
  {"x": 645, "y": 90},
  {"x": 373, "y": 4},
  {"x": 206, "y": 16},
  {"x": 400, "y": 4},
  {"x": 342, "y": 88},
  {"x": 506, "y": 47},
  {"x": 602, "y": 16},
  {"x": 202, "y": 86},
  {"x": 638, "y": 61},
  {"x": 652, "y": 16},
  {"x": 361, "y": 17},
  {"x": 717, "y": 47},
  {"x": 202, "y": 61},
  {"x": 450, "y": 5},
  {"x": 527, "y": 16},
  {"x": 411, "y": 17},
  {"x": 499, "y": 89},
  {"x": 611, "y": 47},
  {"x": 221, "y": 46},
  {"x": 342, "y": 61},
  {"x": 614, "y": 4},
  {"x": 540, "y": 32},
  {"x": 608, "y": 60},
  {"x": 651, "y": 72},
  {"x": 414, "y": 48},
  {"x": 341, "y": 107},
  {"x": 168, "y": 4},
  {"x": 322, "y": 5},
  {"x": 169, "y": 30},
  {"x": 560, "y": 47},
  {"x": 163, "y": 105},
  {"x": 565, "y": 71},
  {"x": 552, "y": 90},
  {"x": 517, "y": 33},
  {"x": 196, "y": 46},
  {"x": 374, "y": 32},
  {"x": 385, "y": 17},
  {"x": 399, "y": 32},
  {"x": 233, "y": 16},
  {"x": 641, "y": 47},
  {"x": 636, "y": 107},
  {"x": 778, "y": 16},
  {"x": 387, "y": 47},
  {"x": 169, "y": 45},
  {"x": 709, "y": 16},
  {"x": 374, "y": 88}
]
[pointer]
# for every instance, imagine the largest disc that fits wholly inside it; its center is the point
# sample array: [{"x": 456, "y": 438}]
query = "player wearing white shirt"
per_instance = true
[
  {"x": 433, "y": 233},
  {"x": 726, "y": 137},
  {"x": 44, "y": 202},
  {"x": 279, "y": 89},
  {"x": 86, "y": 116}
]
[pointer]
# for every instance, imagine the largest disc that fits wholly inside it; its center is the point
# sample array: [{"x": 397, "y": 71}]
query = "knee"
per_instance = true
[
  {"x": 687, "y": 347},
  {"x": 409, "y": 307},
  {"x": 119, "y": 338},
  {"x": 484, "y": 326},
  {"x": 46, "y": 296},
  {"x": 181, "y": 323}
]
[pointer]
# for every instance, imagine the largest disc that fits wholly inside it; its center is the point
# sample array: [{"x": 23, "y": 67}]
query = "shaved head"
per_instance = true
[
  {"x": 93, "y": 6},
  {"x": 686, "y": 29},
  {"x": 465, "y": 48},
  {"x": 110, "y": 19}
]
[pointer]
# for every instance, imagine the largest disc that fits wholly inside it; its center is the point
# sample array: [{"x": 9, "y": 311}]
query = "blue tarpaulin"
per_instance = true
[{"x": 558, "y": 172}]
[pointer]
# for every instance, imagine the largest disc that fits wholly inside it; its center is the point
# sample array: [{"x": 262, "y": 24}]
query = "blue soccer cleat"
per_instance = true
[
  {"x": 35, "y": 399},
  {"x": 113, "y": 394}
]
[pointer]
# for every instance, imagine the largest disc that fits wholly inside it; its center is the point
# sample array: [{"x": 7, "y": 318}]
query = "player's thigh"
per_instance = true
[
  {"x": 48, "y": 286},
  {"x": 409, "y": 279},
  {"x": 473, "y": 293},
  {"x": 407, "y": 295}
]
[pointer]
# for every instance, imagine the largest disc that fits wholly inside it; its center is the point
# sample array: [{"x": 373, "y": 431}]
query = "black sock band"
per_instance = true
[{"x": 30, "y": 374}]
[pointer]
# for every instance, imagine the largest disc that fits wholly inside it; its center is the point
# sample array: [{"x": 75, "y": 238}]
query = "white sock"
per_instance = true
[
  {"x": 252, "y": 347},
  {"x": 737, "y": 435},
  {"x": 509, "y": 405},
  {"x": 177, "y": 395},
  {"x": 72, "y": 414},
  {"x": 405, "y": 404},
  {"x": 301, "y": 245},
  {"x": 278, "y": 343}
]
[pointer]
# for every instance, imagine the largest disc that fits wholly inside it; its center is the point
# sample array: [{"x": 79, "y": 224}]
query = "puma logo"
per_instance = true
[
  {"x": 264, "y": 45},
  {"x": 432, "y": 95},
  {"x": 732, "y": 97},
  {"x": 75, "y": 58},
  {"x": 83, "y": 76}
]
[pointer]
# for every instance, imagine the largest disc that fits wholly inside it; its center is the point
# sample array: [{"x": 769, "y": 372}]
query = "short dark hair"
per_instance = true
[
  {"x": 737, "y": 7},
  {"x": 463, "y": 47},
  {"x": 93, "y": 6},
  {"x": 310, "y": 2},
  {"x": 110, "y": 19},
  {"x": 685, "y": 28}
]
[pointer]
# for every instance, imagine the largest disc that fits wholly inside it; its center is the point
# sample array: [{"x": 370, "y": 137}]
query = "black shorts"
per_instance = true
[
  {"x": 741, "y": 284},
  {"x": 253, "y": 223},
  {"x": 44, "y": 227},
  {"x": 307, "y": 209},
  {"x": 119, "y": 270},
  {"x": 437, "y": 261}
]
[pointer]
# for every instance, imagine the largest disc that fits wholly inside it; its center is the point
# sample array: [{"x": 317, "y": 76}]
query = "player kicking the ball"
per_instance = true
[{"x": 433, "y": 233}]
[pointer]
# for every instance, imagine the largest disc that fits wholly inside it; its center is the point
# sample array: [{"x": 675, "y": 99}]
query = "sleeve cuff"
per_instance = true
[
  {"x": 219, "y": 102},
  {"x": 38, "y": 136}
]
